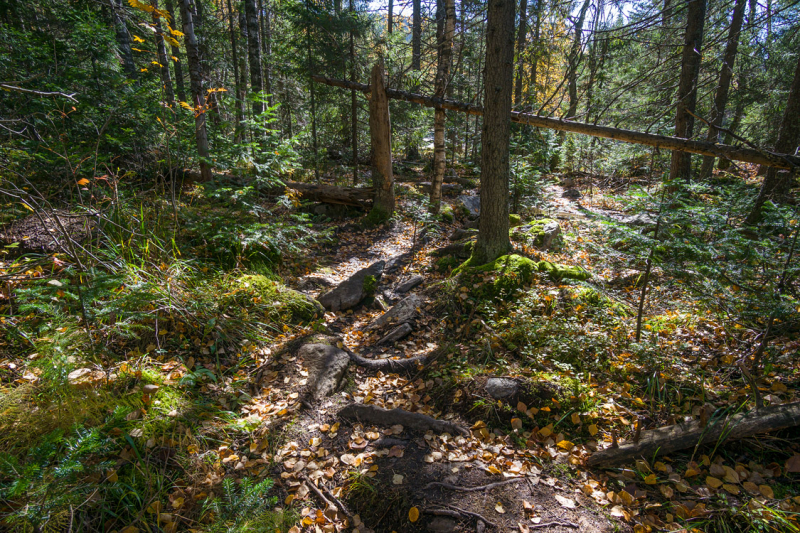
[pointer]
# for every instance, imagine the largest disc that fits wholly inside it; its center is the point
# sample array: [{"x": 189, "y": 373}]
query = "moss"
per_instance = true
[
  {"x": 370, "y": 285},
  {"x": 514, "y": 220},
  {"x": 288, "y": 303},
  {"x": 558, "y": 272},
  {"x": 446, "y": 213},
  {"x": 532, "y": 232},
  {"x": 376, "y": 217},
  {"x": 444, "y": 264}
]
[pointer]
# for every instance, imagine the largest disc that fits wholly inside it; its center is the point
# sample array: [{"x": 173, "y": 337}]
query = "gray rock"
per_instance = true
[
  {"x": 351, "y": 291},
  {"x": 409, "y": 284},
  {"x": 314, "y": 281},
  {"x": 572, "y": 194},
  {"x": 442, "y": 524},
  {"x": 470, "y": 204},
  {"x": 472, "y": 223},
  {"x": 460, "y": 250},
  {"x": 404, "y": 311},
  {"x": 549, "y": 234},
  {"x": 326, "y": 367},
  {"x": 380, "y": 305},
  {"x": 397, "y": 262},
  {"x": 642, "y": 219},
  {"x": 396, "y": 334},
  {"x": 462, "y": 233},
  {"x": 502, "y": 388}
]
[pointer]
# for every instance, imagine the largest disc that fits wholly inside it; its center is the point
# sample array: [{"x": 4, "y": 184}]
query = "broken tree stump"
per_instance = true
[{"x": 684, "y": 435}]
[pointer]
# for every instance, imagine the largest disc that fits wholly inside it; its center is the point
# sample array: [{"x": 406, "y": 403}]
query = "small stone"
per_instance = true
[
  {"x": 412, "y": 282},
  {"x": 502, "y": 388},
  {"x": 572, "y": 194},
  {"x": 151, "y": 388},
  {"x": 442, "y": 524},
  {"x": 396, "y": 334},
  {"x": 404, "y": 311}
]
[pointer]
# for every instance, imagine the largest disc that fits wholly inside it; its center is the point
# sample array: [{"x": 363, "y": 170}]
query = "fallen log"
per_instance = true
[
  {"x": 360, "y": 197},
  {"x": 372, "y": 414},
  {"x": 684, "y": 435},
  {"x": 736, "y": 153}
]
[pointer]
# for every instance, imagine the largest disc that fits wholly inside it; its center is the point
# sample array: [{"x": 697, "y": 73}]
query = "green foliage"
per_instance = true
[{"x": 243, "y": 507}]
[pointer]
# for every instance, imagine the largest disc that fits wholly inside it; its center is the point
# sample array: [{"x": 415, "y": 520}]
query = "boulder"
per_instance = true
[
  {"x": 404, "y": 311},
  {"x": 539, "y": 233},
  {"x": 469, "y": 205},
  {"x": 413, "y": 281},
  {"x": 326, "y": 366},
  {"x": 472, "y": 223},
  {"x": 572, "y": 194},
  {"x": 396, "y": 334},
  {"x": 397, "y": 262},
  {"x": 460, "y": 250},
  {"x": 502, "y": 388},
  {"x": 354, "y": 289},
  {"x": 463, "y": 233}
]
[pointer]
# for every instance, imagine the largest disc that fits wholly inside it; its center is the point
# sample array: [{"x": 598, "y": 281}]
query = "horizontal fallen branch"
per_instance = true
[
  {"x": 737, "y": 153},
  {"x": 330, "y": 194},
  {"x": 388, "y": 365},
  {"x": 684, "y": 435},
  {"x": 472, "y": 489},
  {"x": 372, "y": 414}
]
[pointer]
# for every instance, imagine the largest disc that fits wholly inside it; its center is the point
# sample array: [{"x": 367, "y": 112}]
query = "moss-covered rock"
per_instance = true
[
  {"x": 444, "y": 264},
  {"x": 284, "y": 303},
  {"x": 446, "y": 213},
  {"x": 558, "y": 272},
  {"x": 542, "y": 233},
  {"x": 370, "y": 285},
  {"x": 514, "y": 220}
]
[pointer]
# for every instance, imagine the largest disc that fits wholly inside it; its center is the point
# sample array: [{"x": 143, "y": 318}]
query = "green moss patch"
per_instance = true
[
  {"x": 446, "y": 213},
  {"x": 285, "y": 304},
  {"x": 514, "y": 220},
  {"x": 532, "y": 232}
]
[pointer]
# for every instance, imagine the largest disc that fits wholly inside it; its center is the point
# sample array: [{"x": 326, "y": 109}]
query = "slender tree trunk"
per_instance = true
[
  {"x": 380, "y": 135},
  {"x": 725, "y": 76},
  {"x": 574, "y": 61},
  {"x": 353, "y": 98},
  {"x": 254, "y": 54},
  {"x": 309, "y": 67},
  {"x": 196, "y": 85},
  {"x": 666, "y": 13},
  {"x": 163, "y": 60},
  {"x": 493, "y": 238},
  {"x": 243, "y": 72},
  {"x": 176, "y": 54},
  {"x": 123, "y": 39},
  {"x": 788, "y": 139},
  {"x": 390, "y": 20},
  {"x": 441, "y": 82},
  {"x": 266, "y": 45},
  {"x": 738, "y": 113},
  {"x": 416, "y": 36},
  {"x": 236, "y": 77},
  {"x": 535, "y": 53},
  {"x": 681, "y": 165},
  {"x": 522, "y": 38}
]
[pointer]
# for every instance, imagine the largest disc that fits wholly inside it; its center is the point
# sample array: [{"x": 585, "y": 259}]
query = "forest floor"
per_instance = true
[{"x": 178, "y": 418}]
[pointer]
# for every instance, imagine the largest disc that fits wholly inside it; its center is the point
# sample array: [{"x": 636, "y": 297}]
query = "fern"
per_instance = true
[{"x": 240, "y": 503}]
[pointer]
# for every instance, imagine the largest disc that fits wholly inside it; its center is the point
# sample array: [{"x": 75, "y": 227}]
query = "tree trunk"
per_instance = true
[
  {"x": 788, "y": 139},
  {"x": 239, "y": 101},
  {"x": 254, "y": 54},
  {"x": 353, "y": 97},
  {"x": 196, "y": 85},
  {"x": 751, "y": 155},
  {"x": 243, "y": 72},
  {"x": 416, "y": 36},
  {"x": 681, "y": 165},
  {"x": 123, "y": 39},
  {"x": 266, "y": 44},
  {"x": 575, "y": 55},
  {"x": 390, "y": 19},
  {"x": 176, "y": 51},
  {"x": 493, "y": 238},
  {"x": 522, "y": 37},
  {"x": 725, "y": 76},
  {"x": 161, "y": 51},
  {"x": 380, "y": 136},
  {"x": 535, "y": 53},
  {"x": 309, "y": 67},
  {"x": 738, "y": 113},
  {"x": 442, "y": 78}
]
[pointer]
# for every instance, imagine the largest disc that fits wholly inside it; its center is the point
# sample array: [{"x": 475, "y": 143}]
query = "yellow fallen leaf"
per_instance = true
[
  {"x": 177, "y": 503},
  {"x": 766, "y": 491},
  {"x": 733, "y": 489},
  {"x": 112, "y": 476},
  {"x": 592, "y": 430},
  {"x": 546, "y": 431},
  {"x": 651, "y": 479},
  {"x": 83, "y": 181},
  {"x": 499, "y": 508},
  {"x": 576, "y": 418},
  {"x": 667, "y": 491},
  {"x": 413, "y": 514},
  {"x": 713, "y": 482},
  {"x": 751, "y": 487},
  {"x": 522, "y": 407},
  {"x": 626, "y": 497},
  {"x": 565, "y": 445},
  {"x": 493, "y": 469},
  {"x": 516, "y": 423}
]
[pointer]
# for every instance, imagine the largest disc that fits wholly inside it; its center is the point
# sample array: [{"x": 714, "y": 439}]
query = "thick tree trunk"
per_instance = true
[
  {"x": 239, "y": 101},
  {"x": 788, "y": 139},
  {"x": 760, "y": 157},
  {"x": 725, "y": 76},
  {"x": 522, "y": 37},
  {"x": 380, "y": 135},
  {"x": 196, "y": 85},
  {"x": 666, "y": 440},
  {"x": 254, "y": 53},
  {"x": 493, "y": 238},
  {"x": 681, "y": 165},
  {"x": 575, "y": 56},
  {"x": 416, "y": 36},
  {"x": 163, "y": 60},
  {"x": 442, "y": 78},
  {"x": 123, "y": 39},
  {"x": 176, "y": 54}
]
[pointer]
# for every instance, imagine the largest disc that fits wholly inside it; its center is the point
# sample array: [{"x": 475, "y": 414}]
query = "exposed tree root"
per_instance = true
[
  {"x": 389, "y": 365},
  {"x": 472, "y": 489},
  {"x": 387, "y": 417}
]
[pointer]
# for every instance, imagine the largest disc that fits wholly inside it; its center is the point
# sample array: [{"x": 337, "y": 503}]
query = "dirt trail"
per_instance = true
[{"x": 383, "y": 475}]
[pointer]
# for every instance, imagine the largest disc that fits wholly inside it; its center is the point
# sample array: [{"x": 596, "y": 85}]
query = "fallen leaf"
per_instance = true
[
  {"x": 516, "y": 423},
  {"x": 413, "y": 514},
  {"x": 651, "y": 479},
  {"x": 499, "y": 508},
  {"x": 729, "y": 487},
  {"x": 766, "y": 491},
  {"x": 713, "y": 482},
  {"x": 397, "y": 479},
  {"x": 565, "y": 502},
  {"x": 793, "y": 464},
  {"x": 592, "y": 430}
]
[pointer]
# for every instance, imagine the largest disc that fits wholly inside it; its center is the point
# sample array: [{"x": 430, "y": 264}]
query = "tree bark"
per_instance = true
[
  {"x": 535, "y": 53},
  {"x": 254, "y": 54},
  {"x": 330, "y": 194},
  {"x": 666, "y": 440},
  {"x": 493, "y": 238},
  {"x": 575, "y": 55},
  {"x": 738, "y": 112},
  {"x": 380, "y": 135},
  {"x": 725, "y": 76},
  {"x": 266, "y": 45},
  {"x": 390, "y": 18},
  {"x": 161, "y": 53},
  {"x": 239, "y": 101},
  {"x": 737, "y": 153},
  {"x": 416, "y": 36},
  {"x": 353, "y": 97},
  {"x": 681, "y": 165},
  {"x": 176, "y": 53},
  {"x": 196, "y": 85},
  {"x": 788, "y": 139},
  {"x": 522, "y": 37},
  {"x": 123, "y": 39},
  {"x": 442, "y": 78}
]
